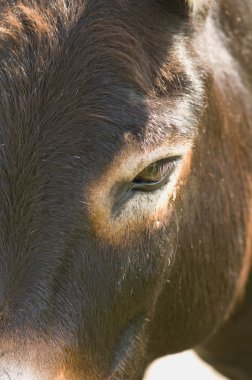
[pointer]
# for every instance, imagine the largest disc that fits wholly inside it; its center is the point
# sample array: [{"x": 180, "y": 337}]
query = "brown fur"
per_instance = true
[{"x": 97, "y": 278}]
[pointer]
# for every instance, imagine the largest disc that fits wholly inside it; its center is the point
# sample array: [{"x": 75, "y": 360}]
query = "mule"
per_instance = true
[{"x": 125, "y": 158}]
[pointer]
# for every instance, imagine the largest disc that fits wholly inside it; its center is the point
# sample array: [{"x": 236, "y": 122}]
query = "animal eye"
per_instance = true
[{"x": 156, "y": 174}]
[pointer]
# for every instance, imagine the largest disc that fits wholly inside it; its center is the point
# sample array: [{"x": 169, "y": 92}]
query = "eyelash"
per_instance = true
[{"x": 163, "y": 168}]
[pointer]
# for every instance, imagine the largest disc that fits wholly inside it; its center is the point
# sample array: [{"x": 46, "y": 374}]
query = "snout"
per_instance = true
[
  {"x": 40, "y": 360},
  {"x": 60, "y": 339}
]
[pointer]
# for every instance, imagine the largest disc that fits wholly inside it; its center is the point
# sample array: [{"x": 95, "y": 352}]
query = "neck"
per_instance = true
[{"x": 230, "y": 349}]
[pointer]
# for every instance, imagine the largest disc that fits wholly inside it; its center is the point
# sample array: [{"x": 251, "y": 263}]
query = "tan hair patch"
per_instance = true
[{"x": 197, "y": 5}]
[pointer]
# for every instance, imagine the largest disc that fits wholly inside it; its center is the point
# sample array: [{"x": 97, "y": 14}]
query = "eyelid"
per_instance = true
[
  {"x": 149, "y": 185},
  {"x": 134, "y": 164},
  {"x": 156, "y": 166}
]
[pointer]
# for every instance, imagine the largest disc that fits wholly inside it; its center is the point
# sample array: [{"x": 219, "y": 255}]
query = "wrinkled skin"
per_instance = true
[{"x": 97, "y": 279}]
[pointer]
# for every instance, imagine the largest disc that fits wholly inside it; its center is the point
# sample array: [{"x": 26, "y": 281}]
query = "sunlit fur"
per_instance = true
[{"x": 197, "y": 5}]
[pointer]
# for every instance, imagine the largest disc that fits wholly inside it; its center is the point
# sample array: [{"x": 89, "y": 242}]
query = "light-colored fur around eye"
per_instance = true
[{"x": 197, "y": 5}]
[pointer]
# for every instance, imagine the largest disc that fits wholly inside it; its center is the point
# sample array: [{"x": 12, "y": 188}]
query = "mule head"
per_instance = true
[{"x": 108, "y": 238}]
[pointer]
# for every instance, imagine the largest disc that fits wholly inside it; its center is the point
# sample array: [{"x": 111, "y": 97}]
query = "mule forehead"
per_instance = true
[
  {"x": 88, "y": 56},
  {"x": 78, "y": 84}
]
